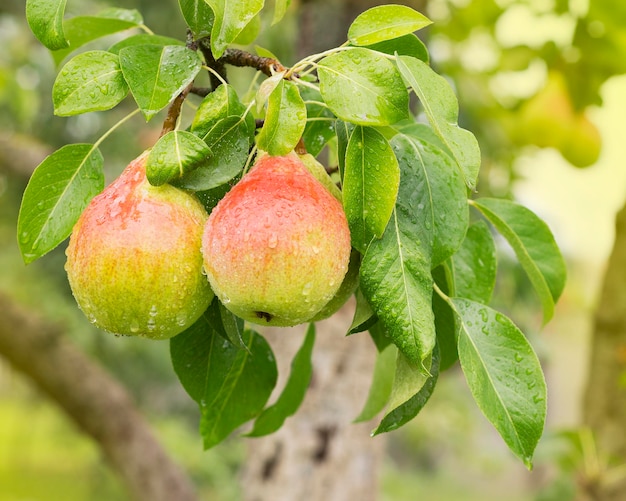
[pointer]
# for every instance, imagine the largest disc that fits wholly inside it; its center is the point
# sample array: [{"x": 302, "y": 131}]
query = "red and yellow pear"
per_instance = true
[
  {"x": 277, "y": 246},
  {"x": 134, "y": 259}
]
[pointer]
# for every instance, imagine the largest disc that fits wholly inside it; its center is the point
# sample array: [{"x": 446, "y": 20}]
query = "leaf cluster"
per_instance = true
[{"x": 426, "y": 247}]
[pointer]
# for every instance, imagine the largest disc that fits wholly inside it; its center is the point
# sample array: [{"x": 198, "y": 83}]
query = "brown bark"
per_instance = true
[
  {"x": 319, "y": 453},
  {"x": 94, "y": 401},
  {"x": 605, "y": 399}
]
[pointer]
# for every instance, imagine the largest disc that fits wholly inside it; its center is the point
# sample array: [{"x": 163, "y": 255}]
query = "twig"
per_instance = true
[
  {"x": 169, "y": 124},
  {"x": 241, "y": 58}
]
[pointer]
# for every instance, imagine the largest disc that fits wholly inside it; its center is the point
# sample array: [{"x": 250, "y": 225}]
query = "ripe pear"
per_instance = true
[
  {"x": 134, "y": 259},
  {"x": 347, "y": 288},
  {"x": 276, "y": 247}
]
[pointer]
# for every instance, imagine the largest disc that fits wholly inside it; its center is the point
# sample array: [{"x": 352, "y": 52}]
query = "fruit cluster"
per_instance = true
[{"x": 146, "y": 260}]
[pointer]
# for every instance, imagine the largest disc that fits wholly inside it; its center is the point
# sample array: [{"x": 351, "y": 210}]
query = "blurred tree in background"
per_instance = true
[{"x": 528, "y": 74}]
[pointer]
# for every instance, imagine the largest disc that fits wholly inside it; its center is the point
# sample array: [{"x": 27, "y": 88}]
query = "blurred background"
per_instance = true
[{"x": 541, "y": 83}]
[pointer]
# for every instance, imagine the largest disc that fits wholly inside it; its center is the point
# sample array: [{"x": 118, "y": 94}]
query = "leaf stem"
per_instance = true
[
  {"x": 219, "y": 77},
  {"x": 304, "y": 83},
  {"x": 113, "y": 127},
  {"x": 310, "y": 60},
  {"x": 443, "y": 295},
  {"x": 146, "y": 29}
]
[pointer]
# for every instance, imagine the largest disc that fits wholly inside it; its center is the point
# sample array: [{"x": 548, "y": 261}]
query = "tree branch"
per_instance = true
[
  {"x": 94, "y": 401},
  {"x": 218, "y": 65},
  {"x": 241, "y": 58},
  {"x": 173, "y": 112}
]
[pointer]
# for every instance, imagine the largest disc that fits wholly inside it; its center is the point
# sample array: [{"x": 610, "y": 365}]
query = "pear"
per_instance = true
[
  {"x": 277, "y": 246},
  {"x": 346, "y": 290},
  {"x": 583, "y": 144},
  {"x": 134, "y": 260}
]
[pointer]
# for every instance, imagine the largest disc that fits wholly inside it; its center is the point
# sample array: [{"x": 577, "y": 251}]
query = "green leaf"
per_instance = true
[
  {"x": 379, "y": 336},
  {"x": 221, "y": 103},
  {"x": 265, "y": 90},
  {"x": 250, "y": 32},
  {"x": 344, "y": 131},
  {"x": 273, "y": 417},
  {"x": 231, "y": 17},
  {"x": 230, "y": 385},
  {"x": 445, "y": 319},
  {"x": 408, "y": 380},
  {"x": 385, "y": 22},
  {"x": 280, "y": 9},
  {"x": 319, "y": 172},
  {"x": 227, "y": 325},
  {"x": 363, "y": 87},
  {"x": 474, "y": 265},
  {"x": 417, "y": 387},
  {"x": 198, "y": 16},
  {"x": 56, "y": 195},
  {"x": 423, "y": 132},
  {"x": 503, "y": 374},
  {"x": 45, "y": 18},
  {"x": 407, "y": 45},
  {"x": 440, "y": 195},
  {"x": 534, "y": 246},
  {"x": 130, "y": 15},
  {"x": 442, "y": 109},
  {"x": 91, "y": 81},
  {"x": 285, "y": 120},
  {"x": 263, "y": 52},
  {"x": 364, "y": 317},
  {"x": 175, "y": 154},
  {"x": 370, "y": 185},
  {"x": 157, "y": 74},
  {"x": 396, "y": 280},
  {"x": 233, "y": 326},
  {"x": 320, "y": 126},
  {"x": 80, "y": 30},
  {"x": 143, "y": 39},
  {"x": 229, "y": 142},
  {"x": 382, "y": 383}
]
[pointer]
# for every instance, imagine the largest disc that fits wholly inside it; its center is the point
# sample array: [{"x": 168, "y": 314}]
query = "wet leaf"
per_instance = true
[
  {"x": 91, "y": 81},
  {"x": 385, "y": 22},
  {"x": 175, "y": 154},
  {"x": 503, "y": 374},
  {"x": 58, "y": 191},
  {"x": 363, "y": 87}
]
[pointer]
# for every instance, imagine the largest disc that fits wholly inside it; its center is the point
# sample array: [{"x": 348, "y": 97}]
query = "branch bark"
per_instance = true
[
  {"x": 319, "y": 453},
  {"x": 94, "y": 401},
  {"x": 605, "y": 398}
]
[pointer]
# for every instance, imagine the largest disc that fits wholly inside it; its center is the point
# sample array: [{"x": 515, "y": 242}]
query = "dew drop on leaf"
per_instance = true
[{"x": 483, "y": 315}]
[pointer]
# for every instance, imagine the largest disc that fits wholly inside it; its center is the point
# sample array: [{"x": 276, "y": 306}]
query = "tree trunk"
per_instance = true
[
  {"x": 605, "y": 399},
  {"x": 319, "y": 453},
  {"x": 96, "y": 403}
]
